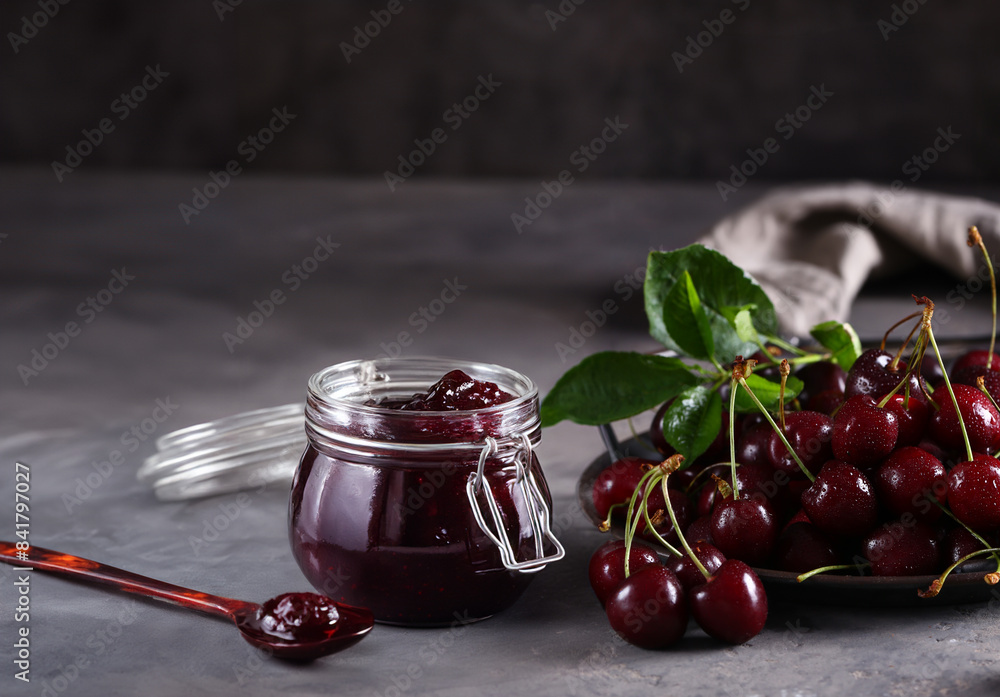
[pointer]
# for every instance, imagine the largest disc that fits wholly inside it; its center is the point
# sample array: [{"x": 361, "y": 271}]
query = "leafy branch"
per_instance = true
[{"x": 708, "y": 311}]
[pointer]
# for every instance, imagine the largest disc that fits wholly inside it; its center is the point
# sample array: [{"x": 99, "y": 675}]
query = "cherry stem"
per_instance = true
[
  {"x": 732, "y": 437},
  {"x": 917, "y": 359},
  {"x": 771, "y": 357},
  {"x": 947, "y": 383},
  {"x": 707, "y": 470},
  {"x": 976, "y": 239},
  {"x": 632, "y": 521},
  {"x": 885, "y": 337},
  {"x": 606, "y": 523},
  {"x": 659, "y": 538},
  {"x": 935, "y": 587},
  {"x": 892, "y": 393},
  {"x": 798, "y": 461},
  {"x": 784, "y": 370},
  {"x": 649, "y": 523},
  {"x": 639, "y": 439},
  {"x": 680, "y": 534},
  {"x": 780, "y": 343},
  {"x": 905, "y": 382},
  {"x": 823, "y": 569},
  {"x": 975, "y": 535},
  {"x": 810, "y": 358},
  {"x": 906, "y": 342},
  {"x": 981, "y": 384}
]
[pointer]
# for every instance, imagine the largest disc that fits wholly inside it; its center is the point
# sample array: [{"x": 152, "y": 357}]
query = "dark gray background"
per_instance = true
[{"x": 608, "y": 58}]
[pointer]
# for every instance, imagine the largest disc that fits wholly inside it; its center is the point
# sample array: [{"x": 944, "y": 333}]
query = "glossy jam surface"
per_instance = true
[
  {"x": 403, "y": 541},
  {"x": 455, "y": 391},
  {"x": 301, "y": 617}
]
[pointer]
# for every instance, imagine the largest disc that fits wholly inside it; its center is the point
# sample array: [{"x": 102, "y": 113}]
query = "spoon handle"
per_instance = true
[{"x": 57, "y": 562}]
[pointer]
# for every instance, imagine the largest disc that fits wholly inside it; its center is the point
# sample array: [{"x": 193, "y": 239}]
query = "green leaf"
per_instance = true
[
  {"x": 720, "y": 284},
  {"x": 693, "y": 421},
  {"x": 841, "y": 339},
  {"x": 743, "y": 324},
  {"x": 685, "y": 319},
  {"x": 767, "y": 392},
  {"x": 615, "y": 385}
]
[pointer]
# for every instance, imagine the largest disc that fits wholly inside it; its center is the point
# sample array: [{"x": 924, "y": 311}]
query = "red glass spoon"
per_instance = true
[{"x": 296, "y": 626}]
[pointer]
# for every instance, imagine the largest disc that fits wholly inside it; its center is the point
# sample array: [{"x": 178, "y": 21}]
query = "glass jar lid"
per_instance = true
[{"x": 218, "y": 457}]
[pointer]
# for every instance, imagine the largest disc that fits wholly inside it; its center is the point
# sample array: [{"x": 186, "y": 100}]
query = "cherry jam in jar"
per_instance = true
[{"x": 423, "y": 502}]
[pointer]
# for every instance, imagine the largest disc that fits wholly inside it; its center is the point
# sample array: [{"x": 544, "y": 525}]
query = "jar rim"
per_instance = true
[
  {"x": 343, "y": 416},
  {"x": 373, "y": 371}
]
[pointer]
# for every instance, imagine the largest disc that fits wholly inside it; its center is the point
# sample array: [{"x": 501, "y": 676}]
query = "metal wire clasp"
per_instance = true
[{"x": 538, "y": 510}]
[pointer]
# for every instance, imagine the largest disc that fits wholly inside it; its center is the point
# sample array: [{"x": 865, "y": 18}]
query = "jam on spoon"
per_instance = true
[
  {"x": 293, "y": 626},
  {"x": 299, "y": 616}
]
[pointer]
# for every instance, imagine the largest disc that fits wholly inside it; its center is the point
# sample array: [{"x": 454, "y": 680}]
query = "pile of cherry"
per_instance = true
[{"x": 883, "y": 481}]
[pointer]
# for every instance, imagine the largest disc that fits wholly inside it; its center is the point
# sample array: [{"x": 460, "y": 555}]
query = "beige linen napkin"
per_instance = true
[{"x": 812, "y": 248}]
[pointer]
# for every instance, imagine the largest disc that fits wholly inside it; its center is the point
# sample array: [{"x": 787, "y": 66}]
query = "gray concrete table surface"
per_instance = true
[{"x": 159, "y": 338}]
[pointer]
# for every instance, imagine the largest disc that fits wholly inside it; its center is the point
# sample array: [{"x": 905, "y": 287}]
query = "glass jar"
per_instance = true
[{"x": 425, "y": 517}]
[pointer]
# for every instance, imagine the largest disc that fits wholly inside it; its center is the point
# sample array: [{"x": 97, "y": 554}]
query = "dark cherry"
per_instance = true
[
  {"x": 753, "y": 444},
  {"x": 607, "y": 566},
  {"x": 938, "y": 452},
  {"x": 912, "y": 418},
  {"x": 930, "y": 369},
  {"x": 991, "y": 381},
  {"x": 982, "y": 421},
  {"x": 690, "y": 575},
  {"x": 683, "y": 510},
  {"x": 682, "y": 479},
  {"x": 863, "y": 434},
  {"x": 748, "y": 478},
  {"x": 648, "y": 608},
  {"x": 654, "y": 499},
  {"x": 803, "y": 547},
  {"x": 616, "y": 484},
  {"x": 656, "y": 430},
  {"x": 974, "y": 493},
  {"x": 799, "y": 517},
  {"x": 958, "y": 543},
  {"x": 809, "y": 433},
  {"x": 752, "y": 420},
  {"x": 970, "y": 374},
  {"x": 730, "y": 606},
  {"x": 841, "y": 501},
  {"x": 974, "y": 359},
  {"x": 765, "y": 483},
  {"x": 827, "y": 402},
  {"x": 759, "y": 481},
  {"x": 819, "y": 378},
  {"x": 455, "y": 391},
  {"x": 907, "y": 478},
  {"x": 745, "y": 529},
  {"x": 796, "y": 488},
  {"x": 719, "y": 448},
  {"x": 700, "y": 530},
  {"x": 872, "y": 374},
  {"x": 707, "y": 497},
  {"x": 906, "y": 547}
]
